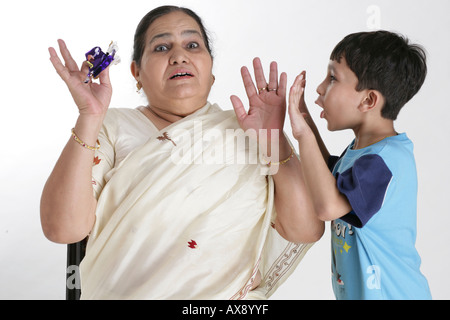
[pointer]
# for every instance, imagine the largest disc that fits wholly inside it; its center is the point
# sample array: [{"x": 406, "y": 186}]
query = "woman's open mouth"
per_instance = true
[{"x": 181, "y": 75}]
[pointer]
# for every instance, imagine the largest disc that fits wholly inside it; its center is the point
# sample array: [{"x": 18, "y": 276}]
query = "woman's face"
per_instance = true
[{"x": 176, "y": 67}]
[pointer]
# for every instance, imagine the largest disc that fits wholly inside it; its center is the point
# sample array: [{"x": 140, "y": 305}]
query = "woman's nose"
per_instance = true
[{"x": 179, "y": 56}]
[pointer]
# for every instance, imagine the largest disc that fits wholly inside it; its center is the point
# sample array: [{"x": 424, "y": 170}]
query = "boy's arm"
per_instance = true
[{"x": 329, "y": 203}]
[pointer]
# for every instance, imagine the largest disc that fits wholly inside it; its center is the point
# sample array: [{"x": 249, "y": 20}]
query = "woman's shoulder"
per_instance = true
[
  {"x": 122, "y": 116},
  {"x": 121, "y": 113},
  {"x": 127, "y": 123}
]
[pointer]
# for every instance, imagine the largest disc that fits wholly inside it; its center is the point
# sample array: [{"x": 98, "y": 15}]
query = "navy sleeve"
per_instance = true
[{"x": 365, "y": 185}]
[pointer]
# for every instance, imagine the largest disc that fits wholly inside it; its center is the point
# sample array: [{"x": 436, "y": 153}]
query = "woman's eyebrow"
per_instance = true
[
  {"x": 169, "y": 35},
  {"x": 190, "y": 32},
  {"x": 159, "y": 36}
]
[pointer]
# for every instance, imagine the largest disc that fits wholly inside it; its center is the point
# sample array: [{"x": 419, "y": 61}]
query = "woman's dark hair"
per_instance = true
[
  {"x": 149, "y": 18},
  {"x": 386, "y": 62}
]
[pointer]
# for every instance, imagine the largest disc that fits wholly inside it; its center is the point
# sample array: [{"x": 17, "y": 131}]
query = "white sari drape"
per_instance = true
[{"x": 170, "y": 226}]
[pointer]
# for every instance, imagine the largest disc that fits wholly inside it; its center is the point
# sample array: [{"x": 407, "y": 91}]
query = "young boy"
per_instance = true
[{"x": 371, "y": 194}]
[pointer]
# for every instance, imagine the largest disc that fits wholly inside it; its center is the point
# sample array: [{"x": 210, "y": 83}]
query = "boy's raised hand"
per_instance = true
[{"x": 297, "y": 107}]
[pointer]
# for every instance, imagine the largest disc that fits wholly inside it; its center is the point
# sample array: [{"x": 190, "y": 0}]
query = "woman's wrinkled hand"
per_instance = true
[
  {"x": 91, "y": 98},
  {"x": 267, "y": 101}
]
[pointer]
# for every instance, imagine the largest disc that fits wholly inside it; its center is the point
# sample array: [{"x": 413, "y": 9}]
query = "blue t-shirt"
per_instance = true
[{"x": 373, "y": 246}]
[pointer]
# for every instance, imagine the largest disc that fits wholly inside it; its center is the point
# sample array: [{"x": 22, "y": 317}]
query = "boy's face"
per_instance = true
[{"x": 338, "y": 97}]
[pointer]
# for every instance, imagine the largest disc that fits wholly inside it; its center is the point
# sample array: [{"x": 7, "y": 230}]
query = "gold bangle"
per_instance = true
[
  {"x": 285, "y": 160},
  {"x": 83, "y": 144}
]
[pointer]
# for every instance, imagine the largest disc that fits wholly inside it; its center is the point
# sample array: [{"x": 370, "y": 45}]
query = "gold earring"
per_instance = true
[{"x": 139, "y": 87}]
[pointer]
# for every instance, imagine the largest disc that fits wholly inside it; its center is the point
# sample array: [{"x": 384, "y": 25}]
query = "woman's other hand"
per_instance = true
[{"x": 91, "y": 98}]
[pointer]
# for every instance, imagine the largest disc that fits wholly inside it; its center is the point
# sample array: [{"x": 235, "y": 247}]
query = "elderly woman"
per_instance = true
[{"x": 163, "y": 223}]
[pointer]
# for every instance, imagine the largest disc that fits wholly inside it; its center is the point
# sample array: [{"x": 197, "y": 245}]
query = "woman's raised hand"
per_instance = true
[
  {"x": 91, "y": 98},
  {"x": 267, "y": 100}
]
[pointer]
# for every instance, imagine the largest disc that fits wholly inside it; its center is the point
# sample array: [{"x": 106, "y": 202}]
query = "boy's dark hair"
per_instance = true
[{"x": 386, "y": 62}]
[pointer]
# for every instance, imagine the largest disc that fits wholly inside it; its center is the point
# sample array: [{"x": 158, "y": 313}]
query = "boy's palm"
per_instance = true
[{"x": 297, "y": 107}]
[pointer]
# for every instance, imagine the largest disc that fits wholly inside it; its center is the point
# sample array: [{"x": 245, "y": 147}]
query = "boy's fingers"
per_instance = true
[{"x": 295, "y": 95}]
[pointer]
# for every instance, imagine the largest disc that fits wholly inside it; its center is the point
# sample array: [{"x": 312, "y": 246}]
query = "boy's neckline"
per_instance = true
[{"x": 371, "y": 144}]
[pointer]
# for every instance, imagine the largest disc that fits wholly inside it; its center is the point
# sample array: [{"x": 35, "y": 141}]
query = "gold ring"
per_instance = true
[{"x": 262, "y": 89}]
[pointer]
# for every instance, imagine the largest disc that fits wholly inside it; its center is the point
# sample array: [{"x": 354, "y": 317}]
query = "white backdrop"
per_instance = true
[{"x": 37, "y": 112}]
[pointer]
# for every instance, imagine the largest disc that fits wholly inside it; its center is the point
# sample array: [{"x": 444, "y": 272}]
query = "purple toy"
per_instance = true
[{"x": 99, "y": 61}]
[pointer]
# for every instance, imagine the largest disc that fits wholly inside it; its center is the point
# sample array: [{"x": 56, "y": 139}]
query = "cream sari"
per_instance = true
[{"x": 170, "y": 226}]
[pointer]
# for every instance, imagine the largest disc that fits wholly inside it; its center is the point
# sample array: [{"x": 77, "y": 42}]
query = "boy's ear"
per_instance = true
[{"x": 372, "y": 100}]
